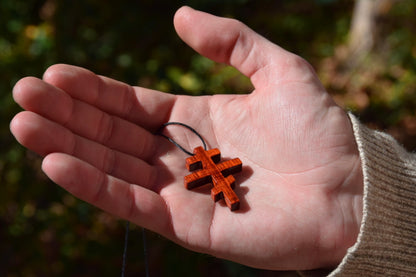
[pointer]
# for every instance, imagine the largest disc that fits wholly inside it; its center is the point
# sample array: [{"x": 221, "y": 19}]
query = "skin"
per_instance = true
[{"x": 301, "y": 187}]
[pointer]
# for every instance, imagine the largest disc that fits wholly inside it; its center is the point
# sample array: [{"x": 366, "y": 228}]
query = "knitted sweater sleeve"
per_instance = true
[{"x": 386, "y": 244}]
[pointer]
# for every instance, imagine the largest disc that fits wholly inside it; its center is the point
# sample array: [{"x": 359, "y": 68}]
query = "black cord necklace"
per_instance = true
[
  {"x": 212, "y": 171},
  {"x": 126, "y": 237},
  {"x": 159, "y": 132}
]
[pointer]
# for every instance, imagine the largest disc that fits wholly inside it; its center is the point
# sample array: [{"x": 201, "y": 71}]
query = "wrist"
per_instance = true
[{"x": 386, "y": 241}]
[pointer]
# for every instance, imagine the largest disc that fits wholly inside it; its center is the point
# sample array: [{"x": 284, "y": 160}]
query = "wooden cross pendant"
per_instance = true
[{"x": 219, "y": 174}]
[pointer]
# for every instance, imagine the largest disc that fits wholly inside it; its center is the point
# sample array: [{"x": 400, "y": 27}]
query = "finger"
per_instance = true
[
  {"x": 113, "y": 195},
  {"x": 229, "y": 41},
  {"x": 145, "y": 107},
  {"x": 44, "y": 137},
  {"x": 84, "y": 119}
]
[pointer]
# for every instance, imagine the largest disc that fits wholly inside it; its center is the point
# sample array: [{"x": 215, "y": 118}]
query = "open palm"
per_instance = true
[{"x": 301, "y": 184}]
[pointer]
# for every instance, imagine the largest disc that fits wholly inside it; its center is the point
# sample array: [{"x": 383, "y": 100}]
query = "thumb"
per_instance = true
[{"x": 230, "y": 41}]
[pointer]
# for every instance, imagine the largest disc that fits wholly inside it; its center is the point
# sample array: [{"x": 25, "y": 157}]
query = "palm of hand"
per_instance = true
[
  {"x": 297, "y": 149},
  {"x": 300, "y": 189}
]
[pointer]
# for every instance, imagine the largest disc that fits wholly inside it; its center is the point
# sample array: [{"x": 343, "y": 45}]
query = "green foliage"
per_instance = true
[{"x": 47, "y": 232}]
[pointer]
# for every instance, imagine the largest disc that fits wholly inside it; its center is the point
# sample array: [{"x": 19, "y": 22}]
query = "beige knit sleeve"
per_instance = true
[{"x": 386, "y": 245}]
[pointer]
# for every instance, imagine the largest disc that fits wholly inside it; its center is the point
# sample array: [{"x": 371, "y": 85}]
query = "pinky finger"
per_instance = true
[{"x": 132, "y": 202}]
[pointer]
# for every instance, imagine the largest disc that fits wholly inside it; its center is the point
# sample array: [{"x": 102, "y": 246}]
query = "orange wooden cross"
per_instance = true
[{"x": 212, "y": 172}]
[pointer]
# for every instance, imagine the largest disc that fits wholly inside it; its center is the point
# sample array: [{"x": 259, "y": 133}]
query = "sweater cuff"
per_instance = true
[{"x": 386, "y": 244}]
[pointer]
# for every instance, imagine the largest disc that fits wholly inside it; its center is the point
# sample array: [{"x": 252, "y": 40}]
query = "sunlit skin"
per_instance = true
[{"x": 301, "y": 186}]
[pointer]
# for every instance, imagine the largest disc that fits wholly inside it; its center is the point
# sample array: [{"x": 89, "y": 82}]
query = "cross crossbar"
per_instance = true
[{"x": 211, "y": 171}]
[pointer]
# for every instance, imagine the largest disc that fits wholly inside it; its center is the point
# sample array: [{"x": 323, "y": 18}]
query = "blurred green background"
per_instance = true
[{"x": 44, "y": 231}]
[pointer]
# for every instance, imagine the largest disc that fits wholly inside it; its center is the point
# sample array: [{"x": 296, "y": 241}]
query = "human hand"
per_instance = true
[{"x": 301, "y": 186}]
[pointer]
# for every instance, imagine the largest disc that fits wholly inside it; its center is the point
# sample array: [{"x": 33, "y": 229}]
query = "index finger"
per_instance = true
[{"x": 145, "y": 107}]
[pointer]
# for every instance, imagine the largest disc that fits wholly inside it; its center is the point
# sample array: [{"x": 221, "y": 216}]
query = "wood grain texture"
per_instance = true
[{"x": 209, "y": 170}]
